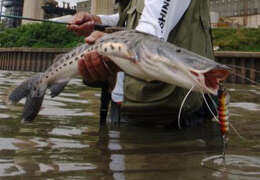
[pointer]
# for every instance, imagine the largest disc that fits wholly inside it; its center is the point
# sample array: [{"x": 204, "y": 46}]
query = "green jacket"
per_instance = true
[{"x": 157, "y": 99}]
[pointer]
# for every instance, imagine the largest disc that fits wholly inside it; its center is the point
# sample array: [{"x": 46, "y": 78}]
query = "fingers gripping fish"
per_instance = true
[{"x": 140, "y": 55}]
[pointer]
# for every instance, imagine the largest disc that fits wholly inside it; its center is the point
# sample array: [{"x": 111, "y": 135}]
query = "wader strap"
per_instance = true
[
  {"x": 115, "y": 112},
  {"x": 123, "y": 14}
]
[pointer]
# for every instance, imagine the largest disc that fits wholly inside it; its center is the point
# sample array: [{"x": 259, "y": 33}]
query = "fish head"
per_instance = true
[
  {"x": 204, "y": 72},
  {"x": 181, "y": 67},
  {"x": 213, "y": 78}
]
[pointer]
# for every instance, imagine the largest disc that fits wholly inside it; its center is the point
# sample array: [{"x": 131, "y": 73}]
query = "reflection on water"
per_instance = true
[
  {"x": 234, "y": 165},
  {"x": 246, "y": 106},
  {"x": 65, "y": 142}
]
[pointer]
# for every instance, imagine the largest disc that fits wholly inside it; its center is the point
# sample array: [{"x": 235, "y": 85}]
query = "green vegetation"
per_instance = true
[
  {"x": 57, "y": 36},
  {"x": 2, "y": 27},
  {"x": 39, "y": 35},
  {"x": 237, "y": 39}
]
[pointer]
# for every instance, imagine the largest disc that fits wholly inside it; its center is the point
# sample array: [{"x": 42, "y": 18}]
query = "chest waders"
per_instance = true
[{"x": 157, "y": 102}]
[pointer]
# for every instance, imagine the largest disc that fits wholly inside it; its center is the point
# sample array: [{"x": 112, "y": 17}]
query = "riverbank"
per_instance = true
[
  {"x": 46, "y": 35},
  {"x": 243, "y": 39}
]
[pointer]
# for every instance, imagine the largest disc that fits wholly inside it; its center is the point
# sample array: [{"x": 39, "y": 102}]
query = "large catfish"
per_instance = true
[{"x": 138, "y": 54}]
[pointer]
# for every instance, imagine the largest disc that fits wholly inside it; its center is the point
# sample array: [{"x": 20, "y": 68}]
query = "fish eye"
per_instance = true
[{"x": 178, "y": 50}]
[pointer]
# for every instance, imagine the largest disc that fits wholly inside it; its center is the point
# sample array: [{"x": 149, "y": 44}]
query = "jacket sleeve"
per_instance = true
[
  {"x": 110, "y": 20},
  {"x": 160, "y": 21}
]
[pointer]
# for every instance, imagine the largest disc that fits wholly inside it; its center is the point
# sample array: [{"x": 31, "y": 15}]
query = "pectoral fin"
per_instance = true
[{"x": 57, "y": 88}]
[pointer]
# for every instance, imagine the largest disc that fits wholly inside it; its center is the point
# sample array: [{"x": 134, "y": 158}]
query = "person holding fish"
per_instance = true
[{"x": 185, "y": 23}]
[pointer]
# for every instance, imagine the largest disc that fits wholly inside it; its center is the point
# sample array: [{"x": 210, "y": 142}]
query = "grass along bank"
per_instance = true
[
  {"x": 47, "y": 35},
  {"x": 243, "y": 39}
]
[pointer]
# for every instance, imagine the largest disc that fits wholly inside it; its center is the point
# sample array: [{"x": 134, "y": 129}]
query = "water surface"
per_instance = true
[{"x": 65, "y": 141}]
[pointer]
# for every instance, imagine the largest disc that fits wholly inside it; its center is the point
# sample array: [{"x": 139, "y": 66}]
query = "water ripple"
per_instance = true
[
  {"x": 66, "y": 143},
  {"x": 234, "y": 164},
  {"x": 66, "y": 131},
  {"x": 246, "y": 106}
]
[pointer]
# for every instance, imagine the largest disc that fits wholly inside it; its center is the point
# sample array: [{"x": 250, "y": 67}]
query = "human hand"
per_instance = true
[
  {"x": 83, "y": 23},
  {"x": 94, "y": 67},
  {"x": 94, "y": 36}
]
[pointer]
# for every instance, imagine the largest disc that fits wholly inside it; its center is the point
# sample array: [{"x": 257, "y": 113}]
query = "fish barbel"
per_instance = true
[{"x": 137, "y": 54}]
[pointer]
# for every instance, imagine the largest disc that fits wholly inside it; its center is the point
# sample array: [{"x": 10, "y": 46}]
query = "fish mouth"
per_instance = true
[{"x": 213, "y": 77}]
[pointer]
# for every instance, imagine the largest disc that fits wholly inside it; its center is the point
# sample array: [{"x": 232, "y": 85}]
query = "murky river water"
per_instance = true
[{"x": 65, "y": 141}]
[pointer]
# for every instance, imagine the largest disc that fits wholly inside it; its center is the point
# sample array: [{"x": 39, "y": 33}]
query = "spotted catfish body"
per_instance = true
[{"x": 138, "y": 54}]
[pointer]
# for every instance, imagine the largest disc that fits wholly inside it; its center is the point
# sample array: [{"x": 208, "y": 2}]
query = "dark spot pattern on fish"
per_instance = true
[
  {"x": 56, "y": 65},
  {"x": 70, "y": 62},
  {"x": 77, "y": 58},
  {"x": 112, "y": 47},
  {"x": 64, "y": 64},
  {"x": 125, "y": 41},
  {"x": 178, "y": 50}
]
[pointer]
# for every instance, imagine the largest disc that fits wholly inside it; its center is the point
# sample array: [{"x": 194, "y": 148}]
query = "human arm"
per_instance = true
[
  {"x": 109, "y": 20},
  {"x": 160, "y": 21}
]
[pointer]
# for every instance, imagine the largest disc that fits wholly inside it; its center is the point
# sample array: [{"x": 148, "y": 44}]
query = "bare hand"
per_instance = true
[
  {"x": 83, "y": 23},
  {"x": 94, "y": 36},
  {"x": 94, "y": 67}
]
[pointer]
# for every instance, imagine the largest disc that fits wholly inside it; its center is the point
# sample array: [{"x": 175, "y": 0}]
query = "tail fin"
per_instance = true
[
  {"x": 33, "y": 103},
  {"x": 31, "y": 108},
  {"x": 24, "y": 89}
]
